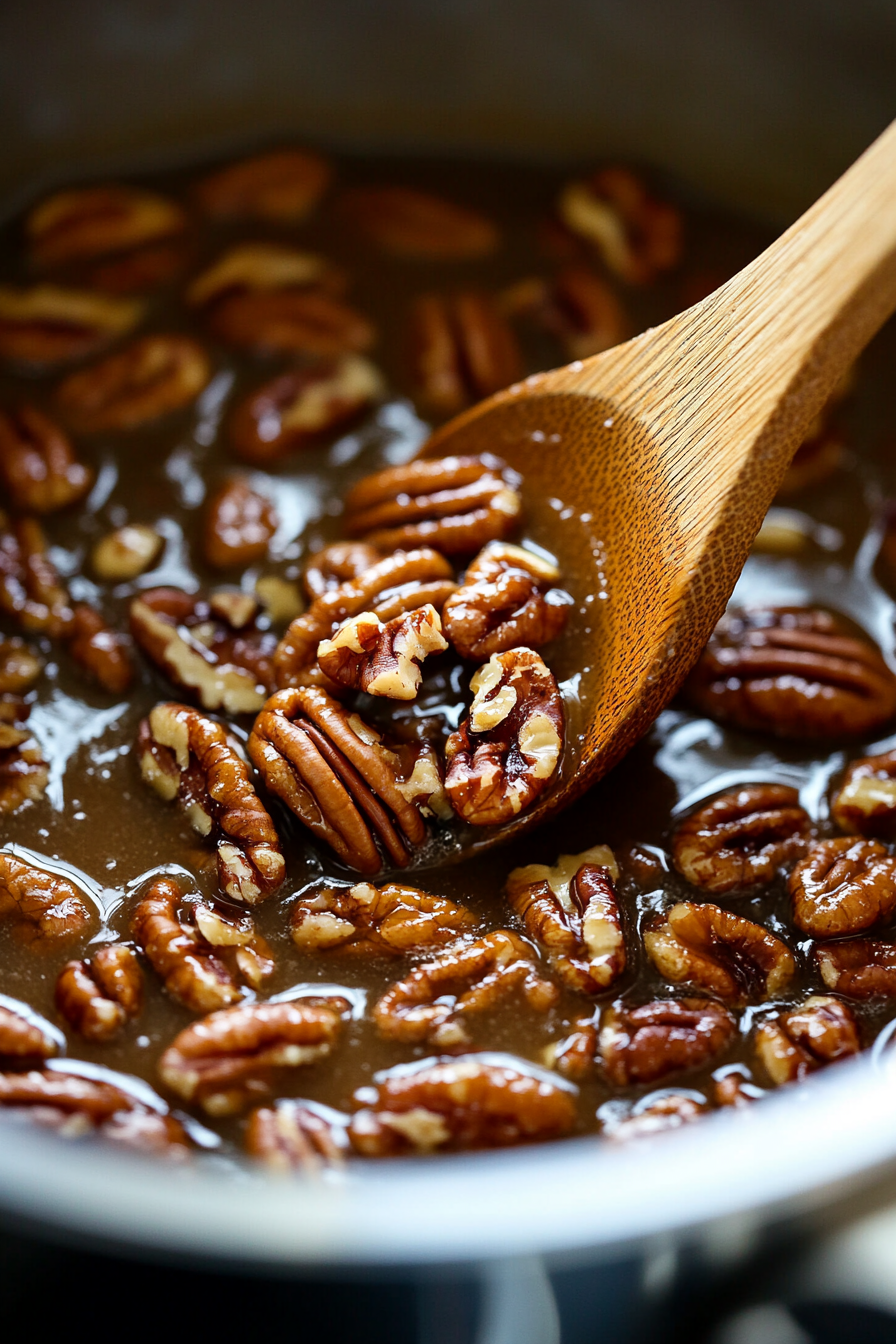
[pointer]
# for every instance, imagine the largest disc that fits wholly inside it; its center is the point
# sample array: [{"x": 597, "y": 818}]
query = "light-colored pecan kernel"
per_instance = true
[
  {"x": 794, "y": 1044},
  {"x": 332, "y": 771},
  {"x": 507, "y": 598},
  {"x": 461, "y": 349},
  {"x": 24, "y": 1035},
  {"x": 97, "y": 997},
  {"x": 572, "y": 911},
  {"x": 236, "y": 942},
  {"x": 186, "y": 756},
  {"x": 24, "y": 774},
  {"x": 843, "y": 886},
  {"x": 281, "y": 186},
  {"x": 43, "y": 905},
  {"x": 718, "y": 952},
  {"x": 643, "y": 1044},
  {"x": 37, "y": 462},
  {"x": 255, "y": 267},
  {"x": 149, "y": 378},
  {"x": 860, "y": 968},
  {"x": 45, "y": 325},
  {"x": 368, "y": 921},
  {"x": 30, "y": 589},
  {"x": 336, "y": 564},
  {"x": 507, "y": 751},
  {"x": 298, "y": 408},
  {"x": 454, "y": 504},
  {"x": 280, "y": 598},
  {"x": 416, "y": 224},
  {"x": 19, "y": 666},
  {"x": 637, "y": 235},
  {"x": 577, "y": 306},
  {"x": 297, "y": 1135},
  {"x": 865, "y": 803},
  {"x": 74, "y": 1107},
  {"x": 379, "y": 658},
  {"x": 239, "y": 524},
  {"x": 474, "y": 1102},
  {"x": 742, "y": 837},
  {"x": 793, "y": 671},
  {"x": 654, "y": 1115},
  {"x": 100, "y": 650},
  {"x": 124, "y": 554},
  {"x": 434, "y": 1001},
  {"x": 181, "y": 956},
  {"x": 86, "y": 222},
  {"x": 291, "y": 322},
  {"x": 233, "y": 1057},
  {"x": 574, "y": 1055}
]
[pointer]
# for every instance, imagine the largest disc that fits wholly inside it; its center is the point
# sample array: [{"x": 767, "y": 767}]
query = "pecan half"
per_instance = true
[
  {"x": 281, "y": 186},
  {"x": 141, "y": 270},
  {"x": 574, "y": 1055},
  {"x": 432, "y": 1003},
  {"x": 843, "y": 886},
  {"x": 298, "y": 408},
  {"x": 456, "y": 1104},
  {"x": 382, "y": 659},
  {"x": 720, "y": 953},
  {"x": 297, "y": 1135},
  {"x": 461, "y": 349},
  {"x": 256, "y": 267},
  {"x": 860, "y": 968},
  {"x": 507, "y": 751},
  {"x": 794, "y": 1044},
  {"x": 75, "y": 1106},
  {"x": 417, "y": 224},
  {"x": 368, "y": 921},
  {"x": 643, "y": 1044},
  {"x": 239, "y": 524},
  {"x": 332, "y": 771},
  {"x": 865, "y": 803},
  {"x": 24, "y": 774},
  {"x": 507, "y": 598},
  {"x": 742, "y": 837},
  {"x": 45, "y": 325},
  {"x": 124, "y": 554},
  {"x": 291, "y": 321},
  {"x": 184, "y": 960},
  {"x": 24, "y": 1035},
  {"x": 792, "y": 671},
  {"x": 454, "y": 504},
  {"x": 637, "y": 236},
  {"x": 87, "y": 222},
  {"x": 733, "y": 1086},
  {"x": 234, "y": 1056},
  {"x": 44, "y": 905},
  {"x": 37, "y": 462},
  {"x": 339, "y": 563},
  {"x": 30, "y": 590},
  {"x": 19, "y": 666},
  {"x": 100, "y": 650},
  {"x": 98, "y": 996},
  {"x": 186, "y": 756},
  {"x": 654, "y": 1115},
  {"x": 149, "y": 378},
  {"x": 577, "y": 306},
  {"x": 572, "y": 911},
  {"x": 237, "y": 943}
]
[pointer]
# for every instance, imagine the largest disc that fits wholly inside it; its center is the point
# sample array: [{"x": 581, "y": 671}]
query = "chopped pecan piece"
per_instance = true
[
  {"x": 98, "y": 996},
  {"x": 507, "y": 751},
  {"x": 572, "y": 911},
  {"x": 461, "y": 349},
  {"x": 416, "y": 224},
  {"x": 332, "y": 771},
  {"x": 233, "y": 1057},
  {"x": 574, "y": 1056},
  {"x": 654, "y": 1115},
  {"x": 792, "y": 671},
  {"x": 100, "y": 650},
  {"x": 239, "y": 525},
  {"x": 256, "y": 267},
  {"x": 24, "y": 774},
  {"x": 297, "y": 408},
  {"x": 637, "y": 235},
  {"x": 454, "y": 504},
  {"x": 44, "y": 905},
  {"x": 460, "y": 1103},
  {"x": 45, "y": 325},
  {"x": 75, "y": 1106},
  {"x": 19, "y": 666},
  {"x": 30, "y": 590},
  {"x": 291, "y": 321},
  {"x": 152, "y": 377},
  {"x": 718, "y": 952},
  {"x": 860, "y": 968},
  {"x": 280, "y": 599},
  {"x": 742, "y": 837},
  {"x": 124, "y": 554},
  {"x": 186, "y": 756},
  {"x": 87, "y": 222},
  {"x": 183, "y": 958},
  {"x": 577, "y": 306},
  {"x": 507, "y": 598},
  {"x": 432, "y": 1003},
  {"x": 24, "y": 1035},
  {"x": 865, "y": 803},
  {"x": 843, "y": 886},
  {"x": 281, "y": 186},
  {"x": 794, "y": 1044},
  {"x": 340, "y": 563},
  {"x": 643, "y": 1044},
  {"x": 37, "y": 462},
  {"x": 236, "y": 942},
  {"x": 382, "y": 659},
  {"x": 369, "y": 921},
  {"x": 297, "y": 1135}
]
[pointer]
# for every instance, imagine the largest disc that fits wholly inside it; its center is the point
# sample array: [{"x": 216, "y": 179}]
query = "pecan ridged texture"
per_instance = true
[
  {"x": 152, "y": 377},
  {"x": 88, "y": 222},
  {"x": 97, "y": 997},
  {"x": 637, "y": 235},
  {"x": 659, "y": 1114},
  {"x": 416, "y": 224},
  {"x": 239, "y": 525},
  {"x": 644, "y": 1043},
  {"x": 865, "y": 802},
  {"x": 38, "y": 465},
  {"x": 45, "y": 325},
  {"x": 575, "y": 1054},
  {"x": 742, "y": 837},
  {"x": 461, "y": 349},
  {"x": 30, "y": 589},
  {"x": 24, "y": 774},
  {"x": 24, "y": 1036},
  {"x": 281, "y": 186},
  {"x": 382, "y": 658},
  {"x": 341, "y": 562},
  {"x": 793, "y": 1044},
  {"x": 858, "y": 968},
  {"x": 508, "y": 597},
  {"x": 74, "y": 1106},
  {"x": 44, "y": 906},
  {"x": 99, "y": 650},
  {"x": 259, "y": 267},
  {"x": 369, "y": 921},
  {"x": 842, "y": 887},
  {"x": 718, "y": 952},
  {"x": 577, "y": 306},
  {"x": 291, "y": 322},
  {"x": 297, "y": 1135}
]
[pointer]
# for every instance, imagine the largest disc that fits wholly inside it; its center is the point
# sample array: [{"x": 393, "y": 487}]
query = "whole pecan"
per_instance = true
[
  {"x": 507, "y": 598},
  {"x": 75, "y": 1106},
  {"x": 454, "y": 504},
  {"x": 794, "y": 1044},
  {"x": 742, "y": 837},
  {"x": 865, "y": 803},
  {"x": 459, "y": 1103},
  {"x": 296, "y": 1135},
  {"x": 461, "y": 348},
  {"x": 30, "y": 589},
  {"x": 291, "y": 322},
  {"x": 843, "y": 886},
  {"x": 141, "y": 270},
  {"x": 859, "y": 968},
  {"x": 792, "y": 671},
  {"x": 718, "y": 952},
  {"x": 654, "y": 1115},
  {"x": 333, "y": 772},
  {"x": 507, "y": 751},
  {"x": 45, "y": 325},
  {"x": 643, "y": 1044},
  {"x": 185, "y": 961},
  {"x": 24, "y": 1036},
  {"x": 416, "y": 224},
  {"x": 38, "y": 465},
  {"x": 44, "y": 905},
  {"x": 149, "y": 378},
  {"x": 239, "y": 524},
  {"x": 124, "y": 554},
  {"x": 434, "y": 1000},
  {"x": 368, "y": 921},
  {"x": 256, "y": 267},
  {"x": 572, "y": 911},
  {"x": 234, "y": 1056},
  {"x": 296, "y": 409},
  {"x": 339, "y": 563},
  {"x": 186, "y": 756},
  {"x": 19, "y": 666},
  {"x": 281, "y": 186},
  {"x": 100, "y": 650},
  {"x": 577, "y": 306},
  {"x": 86, "y": 222},
  {"x": 636, "y": 235},
  {"x": 575, "y": 1054},
  {"x": 98, "y": 996},
  {"x": 382, "y": 659},
  {"x": 24, "y": 774}
]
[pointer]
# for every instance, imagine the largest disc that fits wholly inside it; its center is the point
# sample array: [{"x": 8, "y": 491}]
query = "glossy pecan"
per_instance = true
[
  {"x": 86, "y": 222},
  {"x": 188, "y": 757},
  {"x": 734, "y": 1086},
  {"x": 38, "y": 465},
  {"x": 742, "y": 837},
  {"x": 794, "y": 1044},
  {"x": 238, "y": 527},
  {"x": 642, "y": 1044},
  {"x": 43, "y": 905},
  {"x": 654, "y": 1115},
  {"x": 718, "y": 952},
  {"x": 339, "y": 563},
  {"x": 368, "y": 921},
  {"x": 281, "y": 186},
  {"x": 472, "y": 1102},
  {"x": 181, "y": 956},
  {"x": 508, "y": 597},
  {"x": 291, "y": 322},
  {"x": 574, "y": 1055},
  {"x": 577, "y": 306},
  {"x": 297, "y": 1135},
  {"x": 100, "y": 650},
  {"x": 24, "y": 1036},
  {"x": 141, "y": 270},
  {"x": 454, "y": 504},
  {"x": 296, "y": 409},
  {"x": 416, "y": 224},
  {"x": 24, "y": 774},
  {"x": 124, "y": 554},
  {"x": 44, "y": 325},
  {"x": 461, "y": 348},
  {"x": 382, "y": 659},
  {"x": 19, "y": 666},
  {"x": 433, "y": 1002},
  {"x": 508, "y": 749},
  {"x": 843, "y": 886},
  {"x": 74, "y": 1106},
  {"x": 236, "y": 941},
  {"x": 30, "y": 589},
  {"x": 571, "y": 910},
  {"x": 256, "y": 267},
  {"x": 97, "y": 997},
  {"x": 865, "y": 803},
  {"x": 637, "y": 236},
  {"x": 149, "y": 378},
  {"x": 792, "y": 671},
  {"x": 859, "y": 968}
]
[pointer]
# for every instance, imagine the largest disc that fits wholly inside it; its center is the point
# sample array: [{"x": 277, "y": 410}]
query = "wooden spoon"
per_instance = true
[{"x": 668, "y": 451}]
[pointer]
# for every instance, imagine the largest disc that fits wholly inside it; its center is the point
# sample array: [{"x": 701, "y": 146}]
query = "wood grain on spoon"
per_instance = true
[{"x": 675, "y": 444}]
